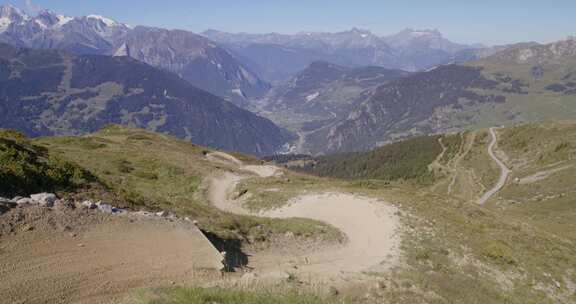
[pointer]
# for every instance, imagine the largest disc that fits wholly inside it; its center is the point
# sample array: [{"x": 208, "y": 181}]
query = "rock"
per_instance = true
[
  {"x": 65, "y": 204},
  {"x": 143, "y": 213},
  {"x": 17, "y": 198},
  {"x": 89, "y": 204},
  {"x": 6, "y": 205},
  {"x": 162, "y": 213},
  {"x": 44, "y": 199},
  {"x": 106, "y": 208},
  {"x": 25, "y": 201}
]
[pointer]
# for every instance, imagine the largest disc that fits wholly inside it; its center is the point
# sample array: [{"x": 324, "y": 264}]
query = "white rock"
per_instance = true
[
  {"x": 162, "y": 213},
  {"x": 89, "y": 204},
  {"x": 44, "y": 199},
  {"x": 143, "y": 213},
  {"x": 25, "y": 201},
  {"x": 106, "y": 208}
]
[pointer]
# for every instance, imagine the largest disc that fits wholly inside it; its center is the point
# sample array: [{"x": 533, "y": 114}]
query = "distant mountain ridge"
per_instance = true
[
  {"x": 524, "y": 83},
  {"x": 193, "y": 57},
  {"x": 410, "y": 50},
  {"x": 50, "y": 92}
]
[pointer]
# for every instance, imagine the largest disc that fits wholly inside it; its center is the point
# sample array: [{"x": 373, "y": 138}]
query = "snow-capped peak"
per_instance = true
[
  {"x": 107, "y": 21},
  {"x": 9, "y": 15},
  {"x": 63, "y": 19}
]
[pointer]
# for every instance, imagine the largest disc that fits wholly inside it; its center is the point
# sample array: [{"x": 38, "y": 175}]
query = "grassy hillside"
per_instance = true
[
  {"x": 541, "y": 190},
  {"x": 135, "y": 169},
  {"x": 28, "y": 168},
  {"x": 406, "y": 160},
  {"x": 519, "y": 248}
]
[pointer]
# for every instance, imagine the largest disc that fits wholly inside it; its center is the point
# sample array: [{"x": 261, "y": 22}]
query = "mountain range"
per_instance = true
[
  {"x": 524, "y": 83},
  {"x": 51, "y": 92},
  {"x": 278, "y": 56},
  {"x": 345, "y": 91},
  {"x": 322, "y": 94},
  {"x": 193, "y": 57}
]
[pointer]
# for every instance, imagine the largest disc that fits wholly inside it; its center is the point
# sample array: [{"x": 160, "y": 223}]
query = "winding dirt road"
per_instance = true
[
  {"x": 505, "y": 172},
  {"x": 369, "y": 225}
]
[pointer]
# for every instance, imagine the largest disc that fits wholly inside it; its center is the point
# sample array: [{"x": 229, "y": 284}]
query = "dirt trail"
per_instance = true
[
  {"x": 369, "y": 225},
  {"x": 542, "y": 175},
  {"x": 505, "y": 172},
  {"x": 101, "y": 262}
]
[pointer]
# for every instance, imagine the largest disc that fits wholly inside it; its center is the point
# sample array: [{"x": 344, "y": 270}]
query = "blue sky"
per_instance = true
[{"x": 486, "y": 21}]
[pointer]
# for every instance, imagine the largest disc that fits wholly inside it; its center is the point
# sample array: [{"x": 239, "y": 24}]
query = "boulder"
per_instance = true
[
  {"x": 89, "y": 205},
  {"x": 106, "y": 208},
  {"x": 25, "y": 201},
  {"x": 17, "y": 198},
  {"x": 6, "y": 205},
  {"x": 143, "y": 213},
  {"x": 44, "y": 199},
  {"x": 162, "y": 213}
]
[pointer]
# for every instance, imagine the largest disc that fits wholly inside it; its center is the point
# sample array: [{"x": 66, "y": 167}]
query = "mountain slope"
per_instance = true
[
  {"x": 191, "y": 56},
  {"x": 46, "y": 92},
  {"x": 529, "y": 83},
  {"x": 321, "y": 93}
]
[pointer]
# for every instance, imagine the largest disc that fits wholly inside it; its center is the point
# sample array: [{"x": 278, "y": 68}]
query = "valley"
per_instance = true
[{"x": 289, "y": 157}]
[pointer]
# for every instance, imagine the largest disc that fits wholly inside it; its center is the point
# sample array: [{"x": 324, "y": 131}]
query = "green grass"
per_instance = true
[
  {"x": 182, "y": 295},
  {"x": 151, "y": 171},
  {"x": 26, "y": 168},
  {"x": 402, "y": 161}
]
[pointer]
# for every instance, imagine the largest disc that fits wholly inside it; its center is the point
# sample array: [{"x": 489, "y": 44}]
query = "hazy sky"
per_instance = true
[{"x": 485, "y": 21}]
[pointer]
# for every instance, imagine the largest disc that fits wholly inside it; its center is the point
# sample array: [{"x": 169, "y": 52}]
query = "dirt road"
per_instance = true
[
  {"x": 505, "y": 172},
  {"x": 98, "y": 259},
  {"x": 369, "y": 225}
]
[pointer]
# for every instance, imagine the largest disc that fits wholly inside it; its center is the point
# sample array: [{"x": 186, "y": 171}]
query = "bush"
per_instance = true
[{"x": 26, "y": 168}]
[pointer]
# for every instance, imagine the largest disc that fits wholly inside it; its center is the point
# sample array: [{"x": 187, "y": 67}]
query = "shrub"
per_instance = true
[{"x": 26, "y": 168}]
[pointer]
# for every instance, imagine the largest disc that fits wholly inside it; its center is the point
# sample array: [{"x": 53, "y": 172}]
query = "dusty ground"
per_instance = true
[
  {"x": 81, "y": 256},
  {"x": 369, "y": 225}
]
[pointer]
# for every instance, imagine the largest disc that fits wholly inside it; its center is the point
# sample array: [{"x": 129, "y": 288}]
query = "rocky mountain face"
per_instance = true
[
  {"x": 525, "y": 83},
  {"x": 322, "y": 93},
  {"x": 49, "y": 92},
  {"x": 408, "y": 50},
  {"x": 194, "y": 58}
]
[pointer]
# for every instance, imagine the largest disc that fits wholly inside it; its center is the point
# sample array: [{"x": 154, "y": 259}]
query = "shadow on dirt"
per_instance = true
[{"x": 235, "y": 257}]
